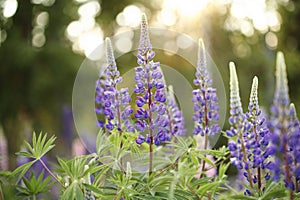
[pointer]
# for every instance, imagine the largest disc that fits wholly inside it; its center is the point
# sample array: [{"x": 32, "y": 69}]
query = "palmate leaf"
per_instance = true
[
  {"x": 22, "y": 170},
  {"x": 73, "y": 192},
  {"x": 40, "y": 146},
  {"x": 73, "y": 168},
  {"x": 35, "y": 185}
]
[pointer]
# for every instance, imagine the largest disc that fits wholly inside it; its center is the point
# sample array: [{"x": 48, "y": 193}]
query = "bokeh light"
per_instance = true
[
  {"x": 247, "y": 17},
  {"x": 85, "y": 33},
  {"x": 9, "y": 8}
]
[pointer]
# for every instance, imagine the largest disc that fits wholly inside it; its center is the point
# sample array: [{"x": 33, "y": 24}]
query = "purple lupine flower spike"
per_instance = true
[
  {"x": 256, "y": 138},
  {"x": 99, "y": 99},
  {"x": 280, "y": 124},
  {"x": 279, "y": 109},
  {"x": 151, "y": 93},
  {"x": 282, "y": 91},
  {"x": 175, "y": 115},
  {"x": 204, "y": 98},
  {"x": 239, "y": 126},
  {"x": 294, "y": 148},
  {"x": 114, "y": 104},
  {"x": 236, "y": 119}
]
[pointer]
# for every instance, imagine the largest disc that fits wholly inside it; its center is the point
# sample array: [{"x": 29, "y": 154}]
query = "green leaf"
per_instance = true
[
  {"x": 274, "y": 190},
  {"x": 208, "y": 187},
  {"x": 73, "y": 192},
  {"x": 24, "y": 153},
  {"x": 34, "y": 186},
  {"x": 92, "y": 188},
  {"x": 242, "y": 197},
  {"x": 22, "y": 170},
  {"x": 222, "y": 170}
]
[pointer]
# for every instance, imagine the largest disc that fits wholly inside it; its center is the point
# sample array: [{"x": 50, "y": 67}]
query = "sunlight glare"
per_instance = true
[
  {"x": 255, "y": 11},
  {"x": 90, "y": 40},
  {"x": 188, "y": 8},
  {"x": 89, "y": 9},
  {"x": 9, "y": 8},
  {"x": 75, "y": 28},
  {"x": 124, "y": 44},
  {"x": 130, "y": 16},
  {"x": 167, "y": 17},
  {"x": 42, "y": 19},
  {"x": 271, "y": 40}
]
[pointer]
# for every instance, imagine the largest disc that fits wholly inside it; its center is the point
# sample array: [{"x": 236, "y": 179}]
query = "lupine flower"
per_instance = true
[
  {"x": 204, "y": 98},
  {"x": 176, "y": 125},
  {"x": 111, "y": 102},
  {"x": 99, "y": 99},
  {"x": 150, "y": 90},
  {"x": 248, "y": 134},
  {"x": 294, "y": 148},
  {"x": 284, "y": 126},
  {"x": 257, "y": 138},
  {"x": 281, "y": 97}
]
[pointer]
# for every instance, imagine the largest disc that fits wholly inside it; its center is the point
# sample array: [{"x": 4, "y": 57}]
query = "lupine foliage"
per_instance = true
[{"x": 265, "y": 150}]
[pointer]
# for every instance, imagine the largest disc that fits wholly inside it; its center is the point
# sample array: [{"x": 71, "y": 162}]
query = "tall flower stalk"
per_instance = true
[
  {"x": 175, "y": 116},
  {"x": 256, "y": 139},
  {"x": 151, "y": 100},
  {"x": 111, "y": 102},
  {"x": 205, "y": 101},
  {"x": 285, "y": 132},
  {"x": 237, "y": 120},
  {"x": 248, "y": 135}
]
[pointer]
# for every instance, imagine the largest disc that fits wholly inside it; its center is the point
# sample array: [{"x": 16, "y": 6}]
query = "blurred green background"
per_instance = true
[{"x": 43, "y": 43}]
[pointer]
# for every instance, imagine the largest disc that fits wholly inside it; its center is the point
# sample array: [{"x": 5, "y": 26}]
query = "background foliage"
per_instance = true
[{"x": 39, "y": 60}]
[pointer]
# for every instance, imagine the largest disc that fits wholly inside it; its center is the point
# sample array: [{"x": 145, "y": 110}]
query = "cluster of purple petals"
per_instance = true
[
  {"x": 176, "y": 125},
  {"x": 114, "y": 104},
  {"x": 285, "y": 137},
  {"x": 205, "y": 99},
  {"x": 150, "y": 90},
  {"x": 99, "y": 101},
  {"x": 257, "y": 139},
  {"x": 249, "y": 135},
  {"x": 205, "y": 111},
  {"x": 285, "y": 146}
]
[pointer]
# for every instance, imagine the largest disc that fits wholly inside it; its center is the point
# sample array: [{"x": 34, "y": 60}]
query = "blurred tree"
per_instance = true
[
  {"x": 38, "y": 66},
  {"x": 35, "y": 81}
]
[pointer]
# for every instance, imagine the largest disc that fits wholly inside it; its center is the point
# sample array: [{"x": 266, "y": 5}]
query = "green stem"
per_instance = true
[
  {"x": 150, "y": 123},
  {"x": 49, "y": 171},
  {"x": 193, "y": 191},
  {"x": 205, "y": 135},
  {"x": 258, "y": 169},
  {"x": 168, "y": 167},
  {"x": 245, "y": 160}
]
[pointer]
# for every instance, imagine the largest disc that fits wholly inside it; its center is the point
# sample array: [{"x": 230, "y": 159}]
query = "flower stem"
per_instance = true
[
  {"x": 245, "y": 160},
  {"x": 258, "y": 169},
  {"x": 168, "y": 167},
  {"x": 150, "y": 124},
  {"x": 286, "y": 163},
  {"x": 193, "y": 191},
  {"x": 49, "y": 171},
  {"x": 119, "y": 123},
  {"x": 205, "y": 134}
]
